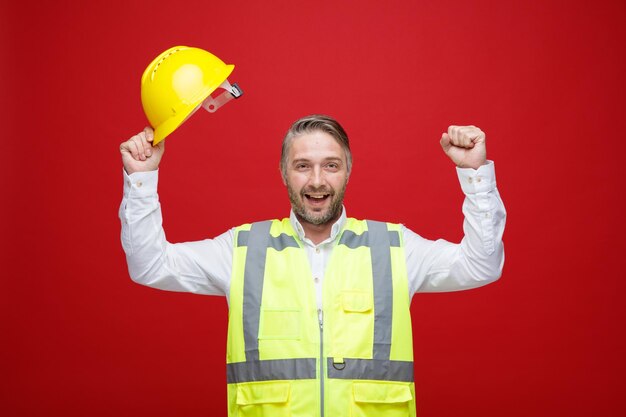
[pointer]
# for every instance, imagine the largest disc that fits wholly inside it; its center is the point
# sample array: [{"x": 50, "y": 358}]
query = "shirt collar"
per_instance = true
[{"x": 334, "y": 231}]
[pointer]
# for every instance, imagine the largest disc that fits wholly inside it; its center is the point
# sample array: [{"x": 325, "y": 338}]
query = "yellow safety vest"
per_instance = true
[{"x": 283, "y": 361}]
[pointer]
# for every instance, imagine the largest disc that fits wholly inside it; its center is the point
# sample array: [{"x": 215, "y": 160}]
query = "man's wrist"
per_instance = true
[{"x": 472, "y": 166}]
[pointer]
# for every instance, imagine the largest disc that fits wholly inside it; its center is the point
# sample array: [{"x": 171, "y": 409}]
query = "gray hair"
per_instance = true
[{"x": 315, "y": 123}]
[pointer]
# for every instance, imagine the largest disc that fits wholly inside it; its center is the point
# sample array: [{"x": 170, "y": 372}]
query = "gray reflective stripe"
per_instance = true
[
  {"x": 383, "y": 288},
  {"x": 279, "y": 243},
  {"x": 353, "y": 241},
  {"x": 253, "y": 286},
  {"x": 383, "y": 370},
  {"x": 268, "y": 370}
]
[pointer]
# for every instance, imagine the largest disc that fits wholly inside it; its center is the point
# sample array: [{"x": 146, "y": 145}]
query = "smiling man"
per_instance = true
[
  {"x": 319, "y": 321},
  {"x": 315, "y": 169}
]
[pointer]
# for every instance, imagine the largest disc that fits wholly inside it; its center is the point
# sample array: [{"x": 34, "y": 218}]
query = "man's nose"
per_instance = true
[{"x": 317, "y": 177}]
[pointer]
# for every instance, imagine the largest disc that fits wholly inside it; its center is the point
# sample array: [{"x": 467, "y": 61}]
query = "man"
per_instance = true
[{"x": 319, "y": 321}]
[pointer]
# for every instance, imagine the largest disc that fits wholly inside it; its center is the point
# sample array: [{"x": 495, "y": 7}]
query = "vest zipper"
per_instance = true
[{"x": 321, "y": 363}]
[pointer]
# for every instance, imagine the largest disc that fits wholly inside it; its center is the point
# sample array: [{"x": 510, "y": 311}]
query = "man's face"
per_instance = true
[{"x": 316, "y": 177}]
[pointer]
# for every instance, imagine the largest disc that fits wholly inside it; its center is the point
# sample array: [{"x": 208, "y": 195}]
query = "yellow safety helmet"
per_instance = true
[{"x": 178, "y": 82}]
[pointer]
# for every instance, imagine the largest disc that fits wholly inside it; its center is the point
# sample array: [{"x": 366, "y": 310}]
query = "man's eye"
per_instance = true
[{"x": 333, "y": 165}]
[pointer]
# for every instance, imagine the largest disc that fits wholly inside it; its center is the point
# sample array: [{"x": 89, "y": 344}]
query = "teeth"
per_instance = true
[{"x": 317, "y": 196}]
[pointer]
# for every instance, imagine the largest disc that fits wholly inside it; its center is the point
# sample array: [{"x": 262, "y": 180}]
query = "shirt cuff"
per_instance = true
[
  {"x": 140, "y": 184},
  {"x": 478, "y": 180}
]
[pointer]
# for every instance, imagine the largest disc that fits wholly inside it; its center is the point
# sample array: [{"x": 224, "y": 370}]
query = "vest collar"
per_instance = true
[{"x": 335, "y": 231}]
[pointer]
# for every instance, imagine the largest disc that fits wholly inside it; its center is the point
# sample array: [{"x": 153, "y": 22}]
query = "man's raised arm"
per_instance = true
[
  {"x": 436, "y": 266},
  {"x": 201, "y": 267}
]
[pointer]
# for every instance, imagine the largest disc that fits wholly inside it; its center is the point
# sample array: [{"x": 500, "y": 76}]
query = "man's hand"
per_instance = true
[
  {"x": 465, "y": 145},
  {"x": 139, "y": 155}
]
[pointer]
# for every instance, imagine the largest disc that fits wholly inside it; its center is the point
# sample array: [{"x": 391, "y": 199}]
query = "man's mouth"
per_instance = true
[{"x": 316, "y": 198}]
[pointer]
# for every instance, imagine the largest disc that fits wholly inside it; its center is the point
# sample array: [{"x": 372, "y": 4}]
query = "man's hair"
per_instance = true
[{"x": 315, "y": 123}]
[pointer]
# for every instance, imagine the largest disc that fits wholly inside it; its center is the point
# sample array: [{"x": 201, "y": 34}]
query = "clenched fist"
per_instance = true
[
  {"x": 139, "y": 155},
  {"x": 465, "y": 145}
]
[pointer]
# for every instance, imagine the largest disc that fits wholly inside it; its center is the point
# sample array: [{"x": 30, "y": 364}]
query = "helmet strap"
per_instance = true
[{"x": 211, "y": 104}]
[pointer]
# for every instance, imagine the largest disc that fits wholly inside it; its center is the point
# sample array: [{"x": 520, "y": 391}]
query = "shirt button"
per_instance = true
[
  {"x": 316, "y": 279},
  {"x": 317, "y": 250},
  {"x": 128, "y": 182},
  {"x": 138, "y": 183},
  {"x": 478, "y": 179},
  {"x": 469, "y": 179}
]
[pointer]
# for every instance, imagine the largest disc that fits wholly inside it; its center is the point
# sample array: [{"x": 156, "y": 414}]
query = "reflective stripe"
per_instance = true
[
  {"x": 253, "y": 286},
  {"x": 353, "y": 241},
  {"x": 279, "y": 243},
  {"x": 383, "y": 370},
  {"x": 378, "y": 238},
  {"x": 267, "y": 370}
]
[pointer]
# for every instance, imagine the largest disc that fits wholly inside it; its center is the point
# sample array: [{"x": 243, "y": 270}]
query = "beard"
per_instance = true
[{"x": 316, "y": 217}]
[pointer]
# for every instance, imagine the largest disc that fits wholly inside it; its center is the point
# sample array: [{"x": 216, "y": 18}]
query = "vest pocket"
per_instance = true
[
  {"x": 280, "y": 324},
  {"x": 264, "y": 399},
  {"x": 380, "y": 399},
  {"x": 352, "y": 325}
]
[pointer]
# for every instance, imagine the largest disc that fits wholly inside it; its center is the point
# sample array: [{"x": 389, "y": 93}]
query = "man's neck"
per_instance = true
[{"x": 317, "y": 233}]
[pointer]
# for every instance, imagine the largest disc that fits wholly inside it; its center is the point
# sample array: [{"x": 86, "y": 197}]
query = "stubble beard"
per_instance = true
[{"x": 316, "y": 218}]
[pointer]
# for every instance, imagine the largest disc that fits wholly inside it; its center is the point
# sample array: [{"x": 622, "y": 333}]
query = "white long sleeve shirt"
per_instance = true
[{"x": 204, "y": 267}]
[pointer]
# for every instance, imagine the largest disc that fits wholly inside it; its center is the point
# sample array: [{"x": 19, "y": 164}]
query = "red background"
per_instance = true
[{"x": 545, "y": 80}]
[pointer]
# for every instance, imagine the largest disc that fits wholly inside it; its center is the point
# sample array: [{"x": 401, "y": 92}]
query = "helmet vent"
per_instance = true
[{"x": 156, "y": 67}]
